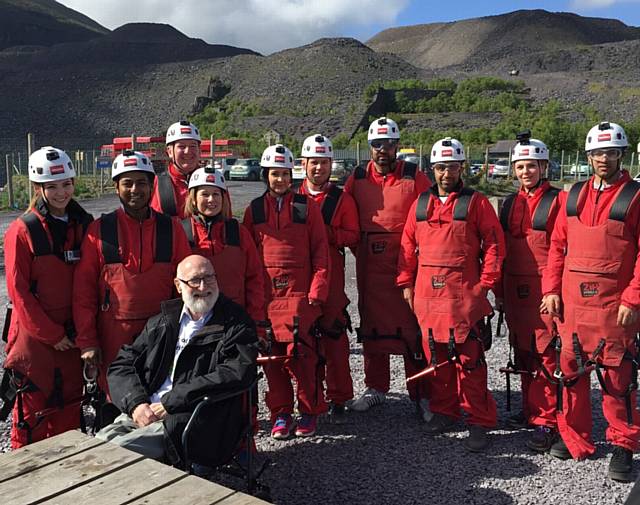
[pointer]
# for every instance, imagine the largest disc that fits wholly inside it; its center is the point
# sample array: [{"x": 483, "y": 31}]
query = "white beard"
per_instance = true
[{"x": 201, "y": 303}]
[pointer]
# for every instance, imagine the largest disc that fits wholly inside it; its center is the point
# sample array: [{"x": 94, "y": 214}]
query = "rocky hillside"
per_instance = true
[{"x": 43, "y": 23}]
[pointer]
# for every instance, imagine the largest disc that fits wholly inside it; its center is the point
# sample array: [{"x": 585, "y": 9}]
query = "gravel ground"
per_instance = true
[{"x": 383, "y": 456}]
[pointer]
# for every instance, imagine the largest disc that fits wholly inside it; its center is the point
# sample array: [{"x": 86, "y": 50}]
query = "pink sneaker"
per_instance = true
[
  {"x": 307, "y": 425},
  {"x": 282, "y": 427}
]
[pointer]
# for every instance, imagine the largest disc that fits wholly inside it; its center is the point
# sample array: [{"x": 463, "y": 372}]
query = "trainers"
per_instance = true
[
  {"x": 621, "y": 464},
  {"x": 370, "y": 398},
  {"x": 424, "y": 413},
  {"x": 307, "y": 425},
  {"x": 282, "y": 427},
  {"x": 543, "y": 438},
  {"x": 517, "y": 421},
  {"x": 559, "y": 450},
  {"x": 478, "y": 439},
  {"x": 439, "y": 423},
  {"x": 337, "y": 413}
]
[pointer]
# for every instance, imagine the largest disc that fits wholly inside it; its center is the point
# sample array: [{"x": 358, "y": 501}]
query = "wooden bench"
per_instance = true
[{"x": 73, "y": 468}]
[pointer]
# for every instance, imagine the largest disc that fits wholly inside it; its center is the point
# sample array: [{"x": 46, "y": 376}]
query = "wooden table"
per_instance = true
[{"x": 74, "y": 468}]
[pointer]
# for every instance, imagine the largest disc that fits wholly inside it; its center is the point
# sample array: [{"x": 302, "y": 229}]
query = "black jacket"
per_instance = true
[{"x": 220, "y": 358}]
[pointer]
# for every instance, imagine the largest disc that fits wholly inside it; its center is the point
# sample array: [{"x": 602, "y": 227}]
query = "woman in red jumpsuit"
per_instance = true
[{"x": 41, "y": 250}]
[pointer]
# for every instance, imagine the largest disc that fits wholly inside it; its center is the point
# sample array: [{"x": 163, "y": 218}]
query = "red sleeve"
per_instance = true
[
  {"x": 86, "y": 294},
  {"x": 181, "y": 247},
  {"x": 254, "y": 277},
  {"x": 552, "y": 274},
  {"x": 493, "y": 246},
  {"x": 631, "y": 294},
  {"x": 26, "y": 307},
  {"x": 407, "y": 257},
  {"x": 319, "y": 247},
  {"x": 348, "y": 186},
  {"x": 346, "y": 233}
]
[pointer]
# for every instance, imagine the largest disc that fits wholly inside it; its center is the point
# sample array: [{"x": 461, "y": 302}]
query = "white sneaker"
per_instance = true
[
  {"x": 370, "y": 398},
  {"x": 423, "y": 410}
]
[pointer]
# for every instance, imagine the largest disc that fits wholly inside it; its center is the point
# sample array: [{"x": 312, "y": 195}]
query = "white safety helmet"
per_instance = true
[
  {"x": 277, "y": 156},
  {"x": 49, "y": 164},
  {"x": 317, "y": 146},
  {"x": 606, "y": 135},
  {"x": 529, "y": 149},
  {"x": 383, "y": 128},
  {"x": 182, "y": 130},
  {"x": 207, "y": 176},
  {"x": 131, "y": 161},
  {"x": 447, "y": 149}
]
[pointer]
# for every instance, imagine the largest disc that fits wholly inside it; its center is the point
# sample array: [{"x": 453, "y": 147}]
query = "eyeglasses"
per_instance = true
[
  {"x": 612, "y": 154},
  {"x": 452, "y": 168},
  {"x": 197, "y": 281},
  {"x": 387, "y": 144}
]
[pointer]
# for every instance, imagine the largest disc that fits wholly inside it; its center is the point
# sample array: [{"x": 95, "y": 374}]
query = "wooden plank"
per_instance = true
[
  {"x": 188, "y": 491},
  {"x": 53, "y": 479},
  {"x": 31, "y": 457},
  {"x": 123, "y": 485},
  {"x": 242, "y": 499}
]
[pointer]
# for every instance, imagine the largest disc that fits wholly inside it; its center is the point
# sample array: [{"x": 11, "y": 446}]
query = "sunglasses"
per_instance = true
[
  {"x": 386, "y": 144},
  {"x": 612, "y": 154},
  {"x": 453, "y": 168}
]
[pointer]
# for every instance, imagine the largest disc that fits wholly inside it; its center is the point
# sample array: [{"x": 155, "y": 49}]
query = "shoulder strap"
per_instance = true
[
  {"x": 359, "y": 172},
  {"x": 164, "y": 238},
  {"x": 409, "y": 170},
  {"x": 167, "y": 195},
  {"x": 109, "y": 238},
  {"x": 330, "y": 204},
  {"x": 232, "y": 232},
  {"x": 299, "y": 208},
  {"x": 188, "y": 231},
  {"x": 505, "y": 211},
  {"x": 422, "y": 206},
  {"x": 541, "y": 215},
  {"x": 257, "y": 210},
  {"x": 623, "y": 201},
  {"x": 461, "y": 208},
  {"x": 39, "y": 238},
  {"x": 572, "y": 198}
]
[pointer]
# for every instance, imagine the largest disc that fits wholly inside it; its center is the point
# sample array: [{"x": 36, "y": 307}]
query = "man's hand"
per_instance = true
[
  {"x": 92, "y": 356},
  {"x": 626, "y": 316},
  {"x": 64, "y": 345},
  {"x": 143, "y": 415},
  {"x": 407, "y": 294},
  {"x": 551, "y": 305},
  {"x": 315, "y": 302},
  {"x": 158, "y": 410}
]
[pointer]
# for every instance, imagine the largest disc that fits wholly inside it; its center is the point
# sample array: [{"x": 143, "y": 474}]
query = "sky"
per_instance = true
[{"x": 267, "y": 26}]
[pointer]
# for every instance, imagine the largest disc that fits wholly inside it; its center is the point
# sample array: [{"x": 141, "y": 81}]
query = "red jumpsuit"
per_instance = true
[
  {"x": 528, "y": 220},
  {"x": 593, "y": 264},
  {"x": 113, "y": 297},
  {"x": 235, "y": 260},
  {"x": 39, "y": 284},
  {"x": 450, "y": 293},
  {"x": 387, "y": 325},
  {"x": 180, "y": 190},
  {"x": 340, "y": 215},
  {"x": 292, "y": 243}
]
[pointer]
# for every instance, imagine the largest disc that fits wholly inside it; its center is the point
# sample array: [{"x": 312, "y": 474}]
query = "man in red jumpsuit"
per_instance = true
[
  {"x": 292, "y": 241},
  {"x": 340, "y": 216},
  {"x": 171, "y": 188},
  {"x": 460, "y": 248},
  {"x": 383, "y": 192},
  {"x": 592, "y": 285},
  {"x": 528, "y": 218},
  {"x": 129, "y": 260}
]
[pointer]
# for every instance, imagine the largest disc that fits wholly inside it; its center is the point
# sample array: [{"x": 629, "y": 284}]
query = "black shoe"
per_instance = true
[
  {"x": 559, "y": 450},
  {"x": 543, "y": 439},
  {"x": 478, "y": 439},
  {"x": 337, "y": 413},
  {"x": 517, "y": 421},
  {"x": 621, "y": 464},
  {"x": 439, "y": 423}
]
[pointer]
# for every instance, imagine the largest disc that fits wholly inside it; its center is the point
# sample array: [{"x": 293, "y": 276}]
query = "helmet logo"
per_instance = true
[
  {"x": 447, "y": 152},
  {"x": 604, "y": 136},
  {"x": 185, "y": 130},
  {"x": 382, "y": 130},
  {"x": 131, "y": 162},
  {"x": 211, "y": 178},
  {"x": 172, "y": 132},
  {"x": 524, "y": 152},
  {"x": 320, "y": 149},
  {"x": 278, "y": 159},
  {"x": 57, "y": 169}
]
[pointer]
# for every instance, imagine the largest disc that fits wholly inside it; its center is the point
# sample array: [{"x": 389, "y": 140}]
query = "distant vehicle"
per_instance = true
[
  {"x": 414, "y": 158},
  {"x": 225, "y": 165},
  {"x": 475, "y": 168},
  {"x": 342, "y": 169},
  {"x": 298, "y": 172},
  {"x": 580, "y": 170},
  {"x": 499, "y": 169},
  {"x": 245, "y": 169}
]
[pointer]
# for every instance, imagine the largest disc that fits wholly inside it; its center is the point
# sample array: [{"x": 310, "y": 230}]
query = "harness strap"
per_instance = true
[
  {"x": 39, "y": 238},
  {"x": 505, "y": 211},
  {"x": 432, "y": 348},
  {"x": 188, "y": 231},
  {"x": 109, "y": 238},
  {"x": 623, "y": 201},
  {"x": 232, "y": 232},
  {"x": 422, "y": 206},
  {"x": 541, "y": 215},
  {"x": 572, "y": 198},
  {"x": 359, "y": 172},
  {"x": 299, "y": 210},
  {"x": 330, "y": 204},
  {"x": 463, "y": 201},
  {"x": 577, "y": 350},
  {"x": 164, "y": 238},
  {"x": 257, "y": 210},
  {"x": 167, "y": 195},
  {"x": 409, "y": 170},
  {"x": 558, "y": 375}
]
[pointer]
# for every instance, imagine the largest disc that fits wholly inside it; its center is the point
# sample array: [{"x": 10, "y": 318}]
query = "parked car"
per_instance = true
[
  {"x": 298, "y": 172},
  {"x": 342, "y": 169},
  {"x": 225, "y": 165},
  {"x": 500, "y": 168},
  {"x": 583, "y": 169},
  {"x": 245, "y": 169}
]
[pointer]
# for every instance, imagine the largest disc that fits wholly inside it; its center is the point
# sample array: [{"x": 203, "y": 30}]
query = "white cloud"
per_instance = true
[
  {"x": 262, "y": 25},
  {"x": 597, "y": 4}
]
